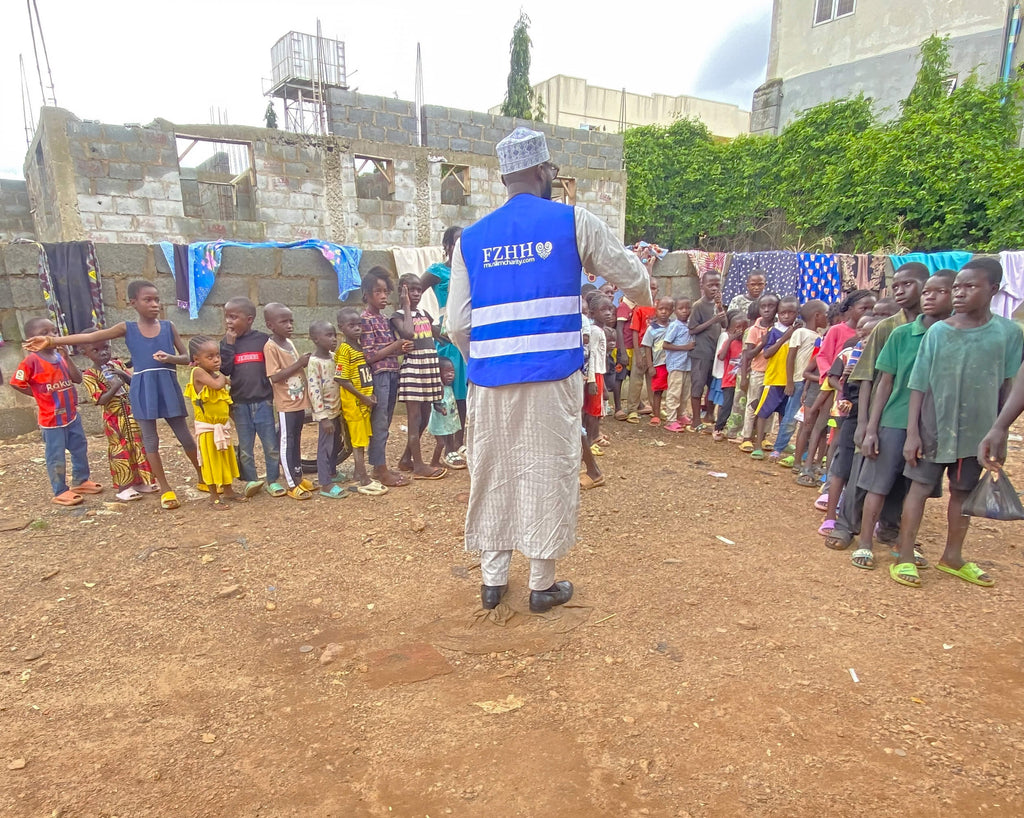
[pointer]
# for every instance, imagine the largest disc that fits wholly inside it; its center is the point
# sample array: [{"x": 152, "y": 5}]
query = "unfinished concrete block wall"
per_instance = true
[{"x": 15, "y": 211}]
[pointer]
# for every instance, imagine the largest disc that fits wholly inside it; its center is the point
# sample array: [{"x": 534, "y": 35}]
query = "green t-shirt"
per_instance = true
[
  {"x": 897, "y": 358},
  {"x": 865, "y": 368},
  {"x": 960, "y": 372}
]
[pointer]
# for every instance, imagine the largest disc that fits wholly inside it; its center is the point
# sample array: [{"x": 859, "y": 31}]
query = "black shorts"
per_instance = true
[
  {"x": 878, "y": 476},
  {"x": 700, "y": 376},
  {"x": 842, "y": 457},
  {"x": 964, "y": 474}
]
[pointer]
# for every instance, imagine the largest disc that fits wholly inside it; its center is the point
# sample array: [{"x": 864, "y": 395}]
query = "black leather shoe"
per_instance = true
[
  {"x": 490, "y": 595},
  {"x": 557, "y": 594}
]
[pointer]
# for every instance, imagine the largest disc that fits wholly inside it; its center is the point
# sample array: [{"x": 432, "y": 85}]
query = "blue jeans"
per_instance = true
[
  {"x": 385, "y": 390},
  {"x": 70, "y": 438},
  {"x": 788, "y": 425},
  {"x": 253, "y": 419}
]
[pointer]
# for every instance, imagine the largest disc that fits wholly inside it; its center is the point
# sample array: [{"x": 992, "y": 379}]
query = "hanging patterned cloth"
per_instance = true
[
  {"x": 70, "y": 280},
  {"x": 819, "y": 278}
]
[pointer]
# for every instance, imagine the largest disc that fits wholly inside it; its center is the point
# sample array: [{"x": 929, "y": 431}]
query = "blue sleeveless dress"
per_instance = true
[{"x": 154, "y": 390}]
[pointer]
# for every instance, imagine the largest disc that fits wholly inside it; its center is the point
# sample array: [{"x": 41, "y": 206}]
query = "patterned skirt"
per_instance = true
[{"x": 419, "y": 379}]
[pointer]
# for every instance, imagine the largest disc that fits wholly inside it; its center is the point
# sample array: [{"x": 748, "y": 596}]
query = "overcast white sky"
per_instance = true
[{"x": 133, "y": 60}]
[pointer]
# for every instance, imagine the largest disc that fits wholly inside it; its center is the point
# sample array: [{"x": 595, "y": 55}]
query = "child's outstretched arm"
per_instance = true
[
  {"x": 181, "y": 359},
  {"x": 41, "y": 342}
]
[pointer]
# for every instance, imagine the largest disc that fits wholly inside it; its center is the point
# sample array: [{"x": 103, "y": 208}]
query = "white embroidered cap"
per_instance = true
[{"x": 522, "y": 149}]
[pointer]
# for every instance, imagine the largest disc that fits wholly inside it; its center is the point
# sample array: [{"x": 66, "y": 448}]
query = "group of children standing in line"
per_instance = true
[
  {"x": 253, "y": 384},
  {"x": 877, "y": 399}
]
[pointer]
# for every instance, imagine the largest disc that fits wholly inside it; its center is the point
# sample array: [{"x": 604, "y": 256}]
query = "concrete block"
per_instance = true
[
  {"x": 26, "y": 293},
  {"x": 104, "y": 150},
  {"x": 209, "y": 322},
  {"x": 125, "y": 170},
  {"x": 109, "y": 221},
  {"x": 360, "y": 116},
  {"x": 446, "y": 127},
  {"x": 579, "y": 160},
  {"x": 114, "y": 187},
  {"x": 589, "y": 150},
  {"x": 385, "y": 120},
  {"x": 297, "y": 169},
  {"x": 130, "y": 206},
  {"x": 304, "y": 262},
  {"x": 399, "y": 137},
  {"x": 461, "y": 145},
  {"x": 94, "y": 204},
  {"x": 408, "y": 123},
  {"x": 597, "y": 163},
  {"x": 344, "y": 130},
  {"x": 145, "y": 154},
  {"x": 482, "y": 148},
  {"x": 164, "y": 207},
  {"x": 470, "y": 131},
  {"x": 339, "y": 96},
  {"x": 102, "y": 236},
  {"x": 371, "y": 132},
  {"x": 155, "y": 226},
  {"x": 115, "y": 133},
  {"x": 88, "y": 130},
  {"x": 116, "y": 260},
  {"x": 400, "y": 107}
]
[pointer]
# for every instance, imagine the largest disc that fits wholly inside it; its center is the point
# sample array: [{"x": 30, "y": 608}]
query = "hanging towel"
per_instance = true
[
  {"x": 819, "y": 278},
  {"x": 781, "y": 270},
  {"x": 705, "y": 262},
  {"x": 177, "y": 261},
  {"x": 204, "y": 262},
  {"x": 1011, "y": 293},
  {"x": 70, "y": 280},
  {"x": 950, "y": 260},
  {"x": 416, "y": 260}
]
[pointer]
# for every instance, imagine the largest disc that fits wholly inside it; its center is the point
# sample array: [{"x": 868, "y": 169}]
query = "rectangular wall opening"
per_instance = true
[
  {"x": 375, "y": 178},
  {"x": 218, "y": 179},
  {"x": 454, "y": 184}
]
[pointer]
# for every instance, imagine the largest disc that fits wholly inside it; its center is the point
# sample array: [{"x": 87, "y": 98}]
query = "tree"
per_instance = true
[
  {"x": 270, "y": 116},
  {"x": 519, "y": 95}
]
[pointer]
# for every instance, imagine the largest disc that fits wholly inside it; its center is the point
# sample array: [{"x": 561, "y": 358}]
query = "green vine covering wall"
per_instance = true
[{"x": 947, "y": 173}]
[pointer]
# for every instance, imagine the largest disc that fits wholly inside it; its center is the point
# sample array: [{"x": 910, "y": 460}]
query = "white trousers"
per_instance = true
[{"x": 494, "y": 569}]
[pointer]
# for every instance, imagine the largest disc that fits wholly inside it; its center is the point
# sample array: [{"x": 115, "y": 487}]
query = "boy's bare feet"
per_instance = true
[{"x": 386, "y": 477}]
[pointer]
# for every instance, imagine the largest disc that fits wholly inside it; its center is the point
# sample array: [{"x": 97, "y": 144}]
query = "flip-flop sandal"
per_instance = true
[
  {"x": 147, "y": 488},
  {"x": 603, "y": 440},
  {"x": 655, "y": 421},
  {"x": 128, "y": 494},
  {"x": 588, "y": 482},
  {"x": 169, "y": 501},
  {"x": 462, "y": 450},
  {"x": 87, "y": 487},
  {"x": 807, "y": 480},
  {"x": 920, "y": 560},
  {"x": 757, "y": 454},
  {"x": 597, "y": 451},
  {"x": 202, "y": 487},
  {"x": 252, "y": 488},
  {"x": 453, "y": 460},
  {"x": 307, "y": 484},
  {"x": 68, "y": 498},
  {"x": 827, "y": 528},
  {"x": 275, "y": 489},
  {"x": 787, "y": 462},
  {"x": 822, "y": 502},
  {"x": 436, "y": 475},
  {"x": 632, "y": 417},
  {"x": 866, "y": 556},
  {"x": 969, "y": 572},
  {"x": 747, "y": 447},
  {"x": 300, "y": 493},
  {"x": 905, "y": 573},
  {"x": 372, "y": 489},
  {"x": 833, "y": 543},
  {"x": 335, "y": 492}
]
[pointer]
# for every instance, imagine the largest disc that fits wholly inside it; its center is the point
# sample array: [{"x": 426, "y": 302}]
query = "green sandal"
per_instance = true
[
  {"x": 787, "y": 462},
  {"x": 969, "y": 572},
  {"x": 905, "y": 573},
  {"x": 757, "y": 454},
  {"x": 920, "y": 560},
  {"x": 275, "y": 489}
]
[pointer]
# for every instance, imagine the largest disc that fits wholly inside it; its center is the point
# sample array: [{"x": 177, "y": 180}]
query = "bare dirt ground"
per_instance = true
[{"x": 328, "y": 659}]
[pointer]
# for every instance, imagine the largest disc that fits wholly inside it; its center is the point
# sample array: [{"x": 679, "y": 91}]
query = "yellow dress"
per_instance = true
[{"x": 219, "y": 466}]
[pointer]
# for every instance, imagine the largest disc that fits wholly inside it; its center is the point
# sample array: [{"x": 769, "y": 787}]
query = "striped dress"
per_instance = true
[{"x": 419, "y": 378}]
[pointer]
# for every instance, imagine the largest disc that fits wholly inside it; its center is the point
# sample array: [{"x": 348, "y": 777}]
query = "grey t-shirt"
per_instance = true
[{"x": 706, "y": 341}]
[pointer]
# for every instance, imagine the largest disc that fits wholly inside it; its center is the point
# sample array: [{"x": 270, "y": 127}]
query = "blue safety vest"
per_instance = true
[{"x": 524, "y": 282}]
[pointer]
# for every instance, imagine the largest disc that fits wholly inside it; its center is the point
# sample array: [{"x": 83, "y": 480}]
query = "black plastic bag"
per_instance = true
[{"x": 995, "y": 498}]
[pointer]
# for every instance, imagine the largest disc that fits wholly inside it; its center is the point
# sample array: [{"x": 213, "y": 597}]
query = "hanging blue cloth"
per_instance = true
[
  {"x": 204, "y": 262},
  {"x": 949, "y": 260},
  {"x": 819, "y": 278},
  {"x": 780, "y": 269}
]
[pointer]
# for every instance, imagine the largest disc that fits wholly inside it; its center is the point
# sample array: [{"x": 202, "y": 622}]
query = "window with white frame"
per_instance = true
[{"x": 825, "y": 11}]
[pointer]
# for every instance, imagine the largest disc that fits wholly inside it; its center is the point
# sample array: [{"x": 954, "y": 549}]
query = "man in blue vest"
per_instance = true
[{"x": 514, "y": 313}]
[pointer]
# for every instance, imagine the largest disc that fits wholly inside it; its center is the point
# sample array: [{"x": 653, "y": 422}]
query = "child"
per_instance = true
[
  {"x": 286, "y": 370},
  {"x": 639, "y": 376},
  {"x": 885, "y": 307},
  {"x": 849, "y": 313},
  {"x": 756, "y": 283},
  {"x": 677, "y": 344},
  {"x": 445, "y": 421},
  {"x": 325, "y": 403},
  {"x": 381, "y": 348},
  {"x": 779, "y": 384},
  {"x": 252, "y": 396},
  {"x": 49, "y": 376},
  {"x": 961, "y": 377},
  {"x": 107, "y": 381},
  {"x": 707, "y": 322},
  {"x": 215, "y": 436},
  {"x": 730, "y": 353},
  {"x": 358, "y": 402},
  {"x": 154, "y": 389},
  {"x": 755, "y": 364},
  {"x": 845, "y": 408},
  {"x": 600, "y": 309},
  {"x": 652, "y": 349},
  {"x": 419, "y": 379},
  {"x": 886, "y": 427},
  {"x": 802, "y": 346}
]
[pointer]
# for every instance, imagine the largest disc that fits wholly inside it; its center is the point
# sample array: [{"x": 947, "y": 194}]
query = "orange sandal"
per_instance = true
[{"x": 87, "y": 487}]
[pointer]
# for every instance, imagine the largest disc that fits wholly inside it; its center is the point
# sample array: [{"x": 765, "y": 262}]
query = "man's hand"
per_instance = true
[{"x": 591, "y": 389}]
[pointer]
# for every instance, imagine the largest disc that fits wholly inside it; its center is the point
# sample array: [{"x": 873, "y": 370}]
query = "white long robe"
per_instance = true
[{"x": 523, "y": 440}]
